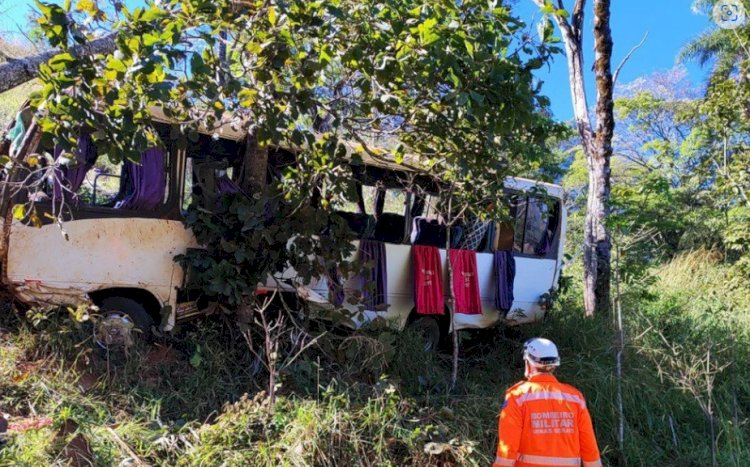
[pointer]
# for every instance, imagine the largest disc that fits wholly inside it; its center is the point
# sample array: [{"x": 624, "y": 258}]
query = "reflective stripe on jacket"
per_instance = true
[{"x": 545, "y": 423}]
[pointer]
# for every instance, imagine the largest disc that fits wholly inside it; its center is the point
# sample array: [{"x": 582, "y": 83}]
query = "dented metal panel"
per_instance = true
[
  {"x": 34, "y": 291},
  {"x": 43, "y": 267}
]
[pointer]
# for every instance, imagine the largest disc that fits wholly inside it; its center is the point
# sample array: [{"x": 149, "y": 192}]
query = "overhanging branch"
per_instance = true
[{"x": 21, "y": 70}]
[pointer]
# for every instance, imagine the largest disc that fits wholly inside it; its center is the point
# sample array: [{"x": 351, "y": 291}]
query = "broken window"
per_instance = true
[
  {"x": 212, "y": 169},
  {"x": 81, "y": 178},
  {"x": 536, "y": 225}
]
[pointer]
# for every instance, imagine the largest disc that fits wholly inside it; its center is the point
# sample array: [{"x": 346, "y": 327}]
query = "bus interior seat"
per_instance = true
[
  {"x": 457, "y": 235},
  {"x": 429, "y": 232},
  {"x": 487, "y": 243},
  {"x": 359, "y": 223},
  {"x": 504, "y": 234},
  {"x": 389, "y": 228}
]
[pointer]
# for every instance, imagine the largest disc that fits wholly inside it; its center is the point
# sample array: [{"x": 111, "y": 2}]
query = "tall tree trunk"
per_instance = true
[
  {"x": 597, "y": 235},
  {"x": 254, "y": 166},
  {"x": 18, "y": 71},
  {"x": 597, "y": 145}
]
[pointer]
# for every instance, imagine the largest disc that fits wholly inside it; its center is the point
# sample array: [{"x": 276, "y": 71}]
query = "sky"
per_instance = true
[{"x": 670, "y": 24}]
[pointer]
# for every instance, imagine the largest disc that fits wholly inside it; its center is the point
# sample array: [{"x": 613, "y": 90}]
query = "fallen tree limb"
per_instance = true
[{"x": 20, "y": 70}]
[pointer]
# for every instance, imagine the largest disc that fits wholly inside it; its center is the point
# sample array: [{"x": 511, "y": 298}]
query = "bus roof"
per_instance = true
[{"x": 226, "y": 128}]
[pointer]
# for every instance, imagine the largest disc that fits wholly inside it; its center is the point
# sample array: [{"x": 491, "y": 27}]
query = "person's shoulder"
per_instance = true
[
  {"x": 570, "y": 389},
  {"x": 516, "y": 388}
]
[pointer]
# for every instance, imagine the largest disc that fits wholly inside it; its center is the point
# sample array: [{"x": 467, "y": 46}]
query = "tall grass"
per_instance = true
[{"x": 333, "y": 412}]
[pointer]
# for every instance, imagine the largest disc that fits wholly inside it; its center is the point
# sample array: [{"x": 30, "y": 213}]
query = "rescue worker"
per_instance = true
[{"x": 544, "y": 422}]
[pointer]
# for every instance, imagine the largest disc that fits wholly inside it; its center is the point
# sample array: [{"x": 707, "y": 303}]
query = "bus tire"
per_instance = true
[
  {"x": 429, "y": 329},
  {"x": 122, "y": 322}
]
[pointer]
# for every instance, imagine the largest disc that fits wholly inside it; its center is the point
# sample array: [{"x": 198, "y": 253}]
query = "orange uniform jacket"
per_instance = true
[{"x": 545, "y": 423}]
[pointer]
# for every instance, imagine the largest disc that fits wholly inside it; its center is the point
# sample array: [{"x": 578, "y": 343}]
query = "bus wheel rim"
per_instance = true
[{"x": 114, "y": 330}]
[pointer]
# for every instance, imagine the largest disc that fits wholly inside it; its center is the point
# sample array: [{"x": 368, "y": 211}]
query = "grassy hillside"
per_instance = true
[
  {"x": 10, "y": 101},
  {"x": 195, "y": 400}
]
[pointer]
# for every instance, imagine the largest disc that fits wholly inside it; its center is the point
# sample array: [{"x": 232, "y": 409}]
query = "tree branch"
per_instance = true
[
  {"x": 627, "y": 57},
  {"x": 18, "y": 71}
]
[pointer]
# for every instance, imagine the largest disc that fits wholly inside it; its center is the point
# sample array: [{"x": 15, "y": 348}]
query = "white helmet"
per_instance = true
[{"x": 541, "y": 353}]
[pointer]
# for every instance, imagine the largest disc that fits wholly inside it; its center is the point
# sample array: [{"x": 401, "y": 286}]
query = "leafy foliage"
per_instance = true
[
  {"x": 248, "y": 238},
  {"x": 723, "y": 49},
  {"x": 324, "y": 78},
  {"x": 679, "y": 174}
]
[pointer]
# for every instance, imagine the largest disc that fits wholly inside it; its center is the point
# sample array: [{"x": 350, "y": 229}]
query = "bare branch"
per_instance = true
[{"x": 627, "y": 57}]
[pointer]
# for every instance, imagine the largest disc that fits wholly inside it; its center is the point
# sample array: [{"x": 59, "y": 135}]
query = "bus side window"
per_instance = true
[
  {"x": 354, "y": 211},
  {"x": 103, "y": 186},
  {"x": 82, "y": 178},
  {"x": 96, "y": 182},
  {"x": 206, "y": 179},
  {"x": 504, "y": 236},
  {"x": 536, "y": 222},
  {"x": 536, "y": 238},
  {"x": 188, "y": 188}
]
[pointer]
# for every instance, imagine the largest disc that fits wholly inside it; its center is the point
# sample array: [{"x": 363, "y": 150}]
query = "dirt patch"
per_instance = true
[
  {"x": 162, "y": 355},
  {"x": 161, "y": 359},
  {"x": 78, "y": 450},
  {"x": 87, "y": 381}
]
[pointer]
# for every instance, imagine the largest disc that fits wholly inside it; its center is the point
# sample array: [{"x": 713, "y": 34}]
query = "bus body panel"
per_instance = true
[
  {"x": 44, "y": 267},
  {"x": 534, "y": 277},
  {"x": 135, "y": 252}
]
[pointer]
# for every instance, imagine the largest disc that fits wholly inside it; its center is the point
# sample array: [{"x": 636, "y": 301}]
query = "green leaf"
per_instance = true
[
  {"x": 427, "y": 33},
  {"x": 150, "y": 39},
  {"x": 151, "y": 14},
  {"x": 272, "y": 15},
  {"x": 60, "y": 61},
  {"x": 196, "y": 360},
  {"x": 247, "y": 97},
  {"x": 116, "y": 65},
  {"x": 469, "y": 48},
  {"x": 476, "y": 97},
  {"x": 197, "y": 65},
  {"x": 325, "y": 55}
]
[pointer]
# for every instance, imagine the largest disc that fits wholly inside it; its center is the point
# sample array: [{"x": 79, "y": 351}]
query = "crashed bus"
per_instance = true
[{"x": 125, "y": 228}]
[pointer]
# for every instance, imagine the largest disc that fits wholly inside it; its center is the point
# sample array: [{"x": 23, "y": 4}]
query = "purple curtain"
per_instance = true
[
  {"x": 335, "y": 288},
  {"x": 505, "y": 274},
  {"x": 372, "y": 251},
  {"x": 225, "y": 186},
  {"x": 72, "y": 175},
  {"x": 148, "y": 179}
]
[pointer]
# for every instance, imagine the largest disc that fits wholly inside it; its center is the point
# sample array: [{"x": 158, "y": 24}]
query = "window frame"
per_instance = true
[
  {"x": 554, "y": 208},
  {"x": 168, "y": 210}
]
